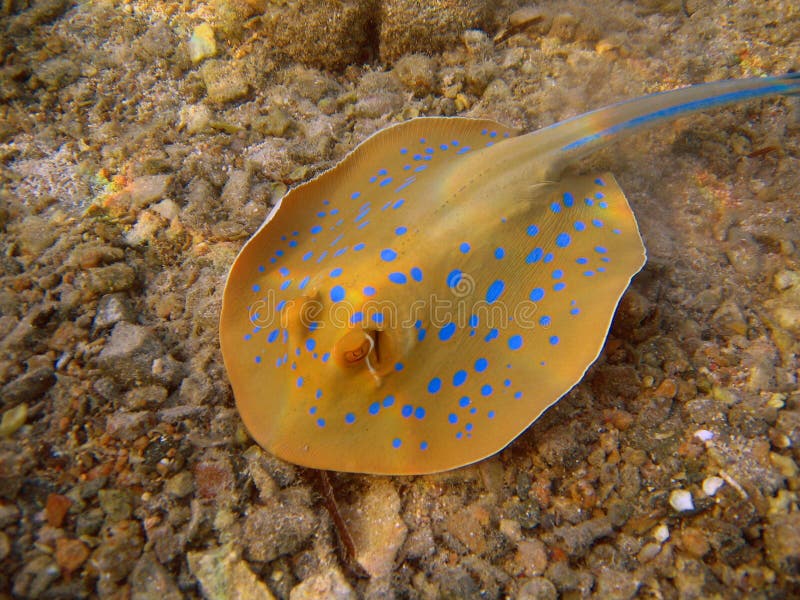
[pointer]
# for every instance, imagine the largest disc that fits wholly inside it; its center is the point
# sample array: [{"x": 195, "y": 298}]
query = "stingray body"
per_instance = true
[{"x": 416, "y": 307}]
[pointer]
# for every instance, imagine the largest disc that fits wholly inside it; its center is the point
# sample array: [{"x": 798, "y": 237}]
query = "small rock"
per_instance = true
[
  {"x": 729, "y": 318},
  {"x": 236, "y": 192},
  {"x": 13, "y": 419},
  {"x": 128, "y": 426},
  {"x": 785, "y": 279},
  {"x": 417, "y": 72},
  {"x": 578, "y": 539},
  {"x": 118, "y": 551},
  {"x": 5, "y": 545},
  {"x": 35, "y": 577},
  {"x": 681, "y": 500},
  {"x": 28, "y": 388},
  {"x": 147, "y": 189},
  {"x": 55, "y": 509},
  {"x": 70, "y": 554},
  {"x": 276, "y": 123},
  {"x": 195, "y": 118},
  {"x": 223, "y": 574},
  {"x": 564, "y": 27},
  {"x": 695, "y": 541},
  {"x": 782, "y": 543},
  {"x": 225, "y": 81},
  {"x": 180, "y": 485},
  {"x": 376, "y": 526},
  {"x": 150, "y": 581},
  {"x": 256, "y": 465},
  {"x": 711, "y": 485},
  {"x": 148, "y": 396},
  {"x": 277, "y": 529},
  {"x": 35, "y": 235},
  {"x": 113, "y": 278},
  {"x": 130, "y": 352},
  {"x": 531, "y": 557},
  {"x": 537, "y": 588},
  {"x": 91, "y": 255},
  {"x": 214, "y": 478},
  {"x": 116, "y": 504},
  {"x": 329, "y": 584},
  {"x": 202, "y": 44},
  {"x": 111, "y": 309},
  {"x": 744, "y": 253}
]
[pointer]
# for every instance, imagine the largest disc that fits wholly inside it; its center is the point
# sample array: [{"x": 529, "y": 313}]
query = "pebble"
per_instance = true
[
  {"x": 276, "y": 529},
  {"x": 578, "y": 539},
  {"x": 151, "y": 581},
  {"x": 147, "y": 396},
  {"x": 13, "y": 419},
  {"x": 729, "y": 319},
  {"x": 129, "y": 354},
  {"x": 107, "y": 280},
  {"x": 782, "y": 543},
  {"x": 195, "y": 118},
  {"x": 55, "y": 509},
  {"x": 116, "y": 504},
  {"x": 5, "y": 545},
  {"x": 681, "y": 500},
  {"x": 376, "y": 526},
  {"x": 329, "y": 584},
  {"x": 118, "y": 551},
  {"x": 70, "y": 554},
  {"x": 148, "y": 189},
  {"x": 224, "y": 80},
  {"x": 127, "y": 426},
  {"x": 202, "y": 44},
  {"x": 537, "y": 588},
  {"x": 417, "y": 72},
  {"x": 28, "y": 387},
  {"x": 179, "y": 485},
  {"x": 223, "y": 575},
  {"x": 111, "y": 309},
  {"x": 35, "y": 576}
]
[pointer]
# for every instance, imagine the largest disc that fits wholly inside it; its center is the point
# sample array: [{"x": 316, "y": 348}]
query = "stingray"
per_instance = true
[{"x": 419, "y": 305}]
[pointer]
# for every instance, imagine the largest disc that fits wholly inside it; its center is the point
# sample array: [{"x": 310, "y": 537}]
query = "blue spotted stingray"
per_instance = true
[{"x": 418, "y": 306}]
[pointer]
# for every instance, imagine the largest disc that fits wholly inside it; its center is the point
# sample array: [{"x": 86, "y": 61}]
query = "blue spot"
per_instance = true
[
  {"x": 563, "y": 240},
  {"x": 248, "y": 337},
  {"x": 486, "y": 390},
  {"x": 602, "y": 204},
  {"x": 464, "y": 402},
  {"x": 518, "y": 395},
  {"x": 358, "y": 247},
  {"x": 588, "y": 201},
  {"x": 385, "y": 182},
  {"x": 388, "y": 401},
  {"x": 575, "y": 311},
  {"x": 407, "y": 410},
  {"x": 495, "y": 290},
  {"x": 423, "y": 445},
  {"x": 446, "y": 332},
  {"x": 515, "y": 342},
  {"x": 554, "y": 340},
  {"x": 258, "y": 359},
  {"x": 349, "y": 418},
  {"x": 355, "y": 195},
  {"x": 599, "y": 181},
  {"x": 532, "y": 230},
  {"x": 369, "y": 291},
  {"x": 334, "y": 211},
  {"x": 398, "y": 204},
  {"x": 312, "y": 410},
  {"x": 569, "y": 199},
  {"x": 310, "y": 344},
  {"x": 481, "y": 364},
  {"x": 325, "y": 358},
  {"x": 421, "y": 334},
  {"x": 261, "y": 268},
  {"x": 273, "y": 336},
  {"x": 459, "y": 378},
  {"x": 582, "y": 260},
  {"x": 378, "y": 318},
  {"x": 279, "y": 253},
  {"x": 321, "y": 214},
  {"x": 374, "y": 408},
  {"x": 464, "y": 247},
  {"x": 537, "y": 294},
  {"x": 558, "y": 274},
  {"x": 307, "y": 255},
  {"x": 340, "y": 251},
  {"x": 468, "y": 426},
  {"x": 490, "y": 414},
  {"x": 419, "y": 413},
  {"x": 453, "y": 278},
  {"x": 286, "y": 284},
  {"x": 399, "y": 367},
  {"x": 316, "y": 229},
  {"x": 600, "y": 250},
  {"x": 499, "y": 253},
  {"x": 304, "y": 282},
  {"x": 548, "y": 258},
  {"x": 534, "y": 256},
  {"x": 357, "y": 317},
  {"x": 597, "y": 222},
  {"x": 256, "y": 288},
  {"x": 453, "y": 418},
  {"x": 473, "y": 321},
  {"x": 403, "y": 150},
  {"x": 321, "y": 422},
  {"x": 588, "y": 273},
  {"x": 599, "y": 195},
  {"x": 545, "y": 321},
  {"x": 336, "y": 272},
  {"x": 293, "y": 243},
  {"x": 555, "y": 207},
  {"x": 417, "y": 324},
  {"x": 388, "y": 255},
  {"x": 397, "y": 442},
  {"x": 559, "y": 286},
  {"x": 401, "y": 230},
  {"x": 493, "y": 333},
  {"x": 337, "y": 293},
  {"x": 420, "y": 168},
  {"x": 416, "y": 273},
  {"x": 399, "y": 278},
  {"x": 434, "y": 385}
]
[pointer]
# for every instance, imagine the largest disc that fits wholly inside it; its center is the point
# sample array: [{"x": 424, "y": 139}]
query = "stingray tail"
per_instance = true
[{"x": 583, "y": 134}]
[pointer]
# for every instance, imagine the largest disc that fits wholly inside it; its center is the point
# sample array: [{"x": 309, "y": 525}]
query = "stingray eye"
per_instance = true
[{"x": 353, "y": 347}]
